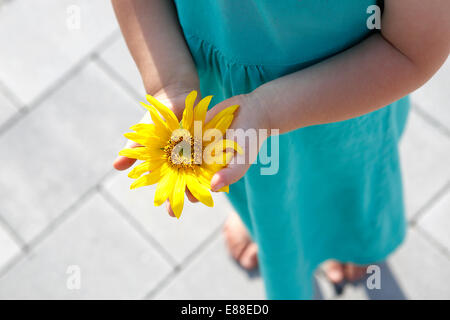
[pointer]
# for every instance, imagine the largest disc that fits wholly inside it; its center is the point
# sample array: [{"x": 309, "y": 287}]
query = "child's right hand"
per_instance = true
[{"x": 175, "y": 102}]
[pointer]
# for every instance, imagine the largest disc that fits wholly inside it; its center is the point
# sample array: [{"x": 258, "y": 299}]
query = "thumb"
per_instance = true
[
  {"x": 123, "y": 163},
  {"x": 228, "y": 175}
]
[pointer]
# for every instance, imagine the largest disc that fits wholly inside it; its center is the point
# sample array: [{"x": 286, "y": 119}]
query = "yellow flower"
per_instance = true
[{"x": 176, "y": 155}]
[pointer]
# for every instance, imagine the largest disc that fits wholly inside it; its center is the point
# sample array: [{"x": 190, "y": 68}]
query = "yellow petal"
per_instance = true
[
  {"x": 188, "y": 113},
  {"x": 199, "y": 191},
  {"x": 221, "y": 114},
  {"x": 167, "y": 114},
  {"x": 161, "y": 126},
  {"x": 204, "y": 175},
  {"x": 177, "y": 196},
  {"x": 224, "y": 189},
  {"x": 165, "y": 186},
  {"x": 146, "y": 166},
  {"x": 148, "y": 128},
  {"x": 214, "y": 152},
  {"x": 222, "y": 125},
  {"x": 201, "y": 108},
  {"x": 149, "y": 179},
  {"x": 145, "y": 140},
  {"x": 140, "y": 153},
  {"x": 230, "y": 144},
  {"x": 217, "y": 162}
]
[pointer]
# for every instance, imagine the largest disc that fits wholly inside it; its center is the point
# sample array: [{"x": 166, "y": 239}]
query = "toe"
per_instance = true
[
  {"x": 249, "y": 257},
  {"x": 354, "y": 272},
  {"x": 334, "y": 271}
]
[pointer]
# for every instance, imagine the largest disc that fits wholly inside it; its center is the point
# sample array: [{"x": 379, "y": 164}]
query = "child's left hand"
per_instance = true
[{"x": 251, "y": 116}]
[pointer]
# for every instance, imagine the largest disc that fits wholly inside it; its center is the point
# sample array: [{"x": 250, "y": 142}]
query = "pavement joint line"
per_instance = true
[
  {"x": 116, "y": 77},
  {"x": 11, "y": 263},
  {"x": 433, "y": 241},
  {"x": 136, "y": 225},
  {"x": 59, "y": 82},
  {"x": 13, "y": 234},
  {"x": 58, "y": 220},
  {"x": 421, "y": 212},
  {"x": 435, "y": 123},
  {"x": 9, "y": 94},
  {"x": 208, "y": 241}
]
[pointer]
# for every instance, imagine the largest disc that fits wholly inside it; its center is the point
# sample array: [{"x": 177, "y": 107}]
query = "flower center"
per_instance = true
[{"x": 182, "y": 150}]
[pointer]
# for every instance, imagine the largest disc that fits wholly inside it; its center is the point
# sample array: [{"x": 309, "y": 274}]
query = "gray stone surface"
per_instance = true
[
  {"x": 62, "y": 149},
  {"x": 180, "y": 237},
  {"x": 118, "y": 58},
  {"x": 7, "y": 109},
  {"x": 8, "y": 247},
  {"x": 113, "y": 260},
  {"x": 37, "y": 54},
  {"x": 434, "y": 97},
  {"x": 80, "y": 92},
  {"x": 420, "y": 269},
  {"x": 425, "y": 155},
  {"x": 213, "y": 275},
  {"x": 436, "y": 221}
]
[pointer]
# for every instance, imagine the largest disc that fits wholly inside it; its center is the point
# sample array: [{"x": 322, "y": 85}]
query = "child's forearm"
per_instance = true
[
  {"x": 378, "y": 71},
  {"x": 156, "y": 42}
]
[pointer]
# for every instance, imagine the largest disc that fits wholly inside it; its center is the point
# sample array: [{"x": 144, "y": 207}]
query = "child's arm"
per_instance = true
[
  {"x": 414, "y": 42},
  {"x": 156, "y": 42}
]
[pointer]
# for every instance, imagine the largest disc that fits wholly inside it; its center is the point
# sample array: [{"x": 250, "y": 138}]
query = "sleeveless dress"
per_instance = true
[{"x": 338, "y": 191}]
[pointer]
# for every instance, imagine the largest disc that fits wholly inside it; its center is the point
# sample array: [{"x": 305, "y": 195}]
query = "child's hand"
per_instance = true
[
  {"x": 251, "y": 116},
  {"x": 176, "y": 103}
]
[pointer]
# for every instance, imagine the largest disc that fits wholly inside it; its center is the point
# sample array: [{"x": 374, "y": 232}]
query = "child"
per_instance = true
[{"x": 336, "y": 91}]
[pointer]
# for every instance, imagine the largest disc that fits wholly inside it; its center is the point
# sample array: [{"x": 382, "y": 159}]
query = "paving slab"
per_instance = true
[
  {"x": 87, "y": 246},
  {"x": 436, "y": 221},
  {"x": 119, "y": 59},
  {"x": 421, "y": 270},
  {"x": 214, "y": 275},
  {"x": 40, "y": 51},
  {"x": 63, "y": 148},
  {"x": 434, "y": 97},
  {"x": 180, "y": 237},
  {"x": 425, "y": 156},
  {"x": 7, "y": 109},
  {"x": 8, "y": 247}
]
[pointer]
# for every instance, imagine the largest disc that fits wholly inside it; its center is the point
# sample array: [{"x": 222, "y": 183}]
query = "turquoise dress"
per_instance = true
[{"x": 338, "y": 191}]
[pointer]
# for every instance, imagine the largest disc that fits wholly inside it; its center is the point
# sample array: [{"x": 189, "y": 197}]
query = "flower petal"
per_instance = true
[
  {"x": 224, "y": 189},
  {"x": 145, "y": 140},
  {"x": 165, "y": 186},
  {"x": 217, "y": 117},
  {"x": 162, "y": 129},
  {"x": 147, "y": 128},
  {"x": 177, "y": 196},
  {"x": 149, "y": 179},
  {"x": 168, "y": 114},
  {"x": 222, "y": 125},
  {"x": 201, "y": 108},
  {"x": 139, "y": 153},
  {"x": 146, "y": 166},
  {"x": 199, "y": 191},
  {"x": 204, "y": 175},
  {"x": 188, "y": 113}
]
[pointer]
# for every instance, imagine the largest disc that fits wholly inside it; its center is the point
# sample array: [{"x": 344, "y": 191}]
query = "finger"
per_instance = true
[
  {"x": 169, "y": 209},
  {"x": 190, "y": 196},
  {"x": 123, "y": 163},
  {"x": 228, "y": 175}
]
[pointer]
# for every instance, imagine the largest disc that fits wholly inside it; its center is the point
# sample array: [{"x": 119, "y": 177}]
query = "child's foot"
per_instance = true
[
  {"x": 337, "y": 271},
  {"x": 239, "y": 243}
]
